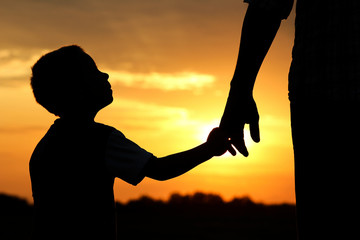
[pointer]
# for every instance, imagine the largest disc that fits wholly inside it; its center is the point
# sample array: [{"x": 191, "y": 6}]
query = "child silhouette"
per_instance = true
[{"x": 73, "y": 167}]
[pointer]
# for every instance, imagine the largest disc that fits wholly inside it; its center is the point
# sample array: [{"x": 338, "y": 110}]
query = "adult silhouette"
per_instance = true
[{"x": 324, "y": 93}]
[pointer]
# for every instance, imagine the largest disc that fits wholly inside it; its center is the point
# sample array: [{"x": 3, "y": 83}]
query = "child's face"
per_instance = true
[{"x": 95, "y": 90}]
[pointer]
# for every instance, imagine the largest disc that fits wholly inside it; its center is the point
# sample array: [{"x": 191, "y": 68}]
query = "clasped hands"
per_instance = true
[{"x": 239, "y": 110}]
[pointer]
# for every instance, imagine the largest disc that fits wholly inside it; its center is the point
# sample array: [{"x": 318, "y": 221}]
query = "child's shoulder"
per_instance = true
[
  {"x": 113, "y": 132},
  {"x": 103, "y": 126},
  {"x": 69, "y": 128}
]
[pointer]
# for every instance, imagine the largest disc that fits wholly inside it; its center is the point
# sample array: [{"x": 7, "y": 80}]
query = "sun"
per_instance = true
[{"x": 205, "y": 129}]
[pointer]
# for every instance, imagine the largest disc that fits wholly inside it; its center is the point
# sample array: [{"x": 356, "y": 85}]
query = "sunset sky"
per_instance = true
[{"x": 170, "y": 64}]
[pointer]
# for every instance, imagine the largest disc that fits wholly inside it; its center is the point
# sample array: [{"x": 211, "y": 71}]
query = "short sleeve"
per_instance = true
[
  {"x": 125, "y": 159},
  {"x": 282, "y": 8}
]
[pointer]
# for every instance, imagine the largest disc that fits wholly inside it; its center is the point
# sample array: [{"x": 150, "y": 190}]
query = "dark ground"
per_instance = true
[{"x": 198, "y": 216}]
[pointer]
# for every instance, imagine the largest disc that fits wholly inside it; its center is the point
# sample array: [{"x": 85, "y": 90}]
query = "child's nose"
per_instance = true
[{"x": 106, "y": 78}]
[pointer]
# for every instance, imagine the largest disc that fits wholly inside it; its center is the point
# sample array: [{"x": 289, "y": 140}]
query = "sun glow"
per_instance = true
[{"x": 205, "y": 128}]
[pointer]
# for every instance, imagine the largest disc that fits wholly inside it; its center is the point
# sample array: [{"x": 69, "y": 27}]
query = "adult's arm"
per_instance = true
[{"x": 261, "y": 23}]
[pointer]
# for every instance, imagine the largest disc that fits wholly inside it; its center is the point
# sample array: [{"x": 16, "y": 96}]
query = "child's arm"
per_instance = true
[{"x": 179, "y": 163}]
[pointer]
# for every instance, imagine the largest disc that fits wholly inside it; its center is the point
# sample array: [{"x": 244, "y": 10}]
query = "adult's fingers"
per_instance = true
[
  {"x": 231, "y": 150},
  {"x": 239, "y": 143},
  {"x": 255, "y": 131}
]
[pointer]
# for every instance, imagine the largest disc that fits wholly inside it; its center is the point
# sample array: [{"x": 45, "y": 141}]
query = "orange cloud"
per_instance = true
[{"x": 164, "y": 81}]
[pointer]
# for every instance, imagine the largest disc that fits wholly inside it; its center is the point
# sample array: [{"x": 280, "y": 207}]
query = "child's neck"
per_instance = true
[{"x": 79, "y": 117}]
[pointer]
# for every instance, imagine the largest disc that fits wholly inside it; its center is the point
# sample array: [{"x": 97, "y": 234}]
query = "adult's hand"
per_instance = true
[{"x": 240, "y": 110}]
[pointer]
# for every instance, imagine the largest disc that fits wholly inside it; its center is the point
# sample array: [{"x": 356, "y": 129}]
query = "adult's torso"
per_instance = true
[{"x": 326, "y": 53}]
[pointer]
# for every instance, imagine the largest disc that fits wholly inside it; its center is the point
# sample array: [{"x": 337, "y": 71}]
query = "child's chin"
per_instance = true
[{"x": 108, "y": 101}]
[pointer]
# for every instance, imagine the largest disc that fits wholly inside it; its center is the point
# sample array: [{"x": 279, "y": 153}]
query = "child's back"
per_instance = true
[{"x": 72, "y": 189}]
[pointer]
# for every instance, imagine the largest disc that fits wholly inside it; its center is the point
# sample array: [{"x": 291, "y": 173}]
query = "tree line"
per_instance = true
[{"x": 190, "y": 216}]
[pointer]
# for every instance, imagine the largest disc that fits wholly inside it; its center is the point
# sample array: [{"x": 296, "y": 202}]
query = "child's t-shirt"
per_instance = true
[
  {"x": 124, "y": 158},
  {"x": 72, "y": 172}
]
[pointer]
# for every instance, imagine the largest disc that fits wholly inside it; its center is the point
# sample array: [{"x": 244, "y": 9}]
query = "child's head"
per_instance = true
[{"x": 67, "y": 81}]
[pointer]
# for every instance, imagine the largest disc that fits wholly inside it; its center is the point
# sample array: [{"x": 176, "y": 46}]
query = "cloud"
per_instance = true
[
  {"x": 177, "y": 37},
  {"x": 16, "y": 65},
  {"x": 16, "y": 69},
  {"x": 163, "y": 81},
  {"x": 153, "y": 36}
]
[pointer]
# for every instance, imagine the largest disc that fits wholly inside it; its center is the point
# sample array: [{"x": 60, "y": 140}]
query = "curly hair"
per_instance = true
[{"x": 54, "y": 76}]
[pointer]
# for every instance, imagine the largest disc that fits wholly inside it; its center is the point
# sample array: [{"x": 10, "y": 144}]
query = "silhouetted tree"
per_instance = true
[{"x": 192, "y": 216}]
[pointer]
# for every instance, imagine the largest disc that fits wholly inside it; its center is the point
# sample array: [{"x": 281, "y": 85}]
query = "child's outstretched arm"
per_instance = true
[{"x": 179, "y": 163}]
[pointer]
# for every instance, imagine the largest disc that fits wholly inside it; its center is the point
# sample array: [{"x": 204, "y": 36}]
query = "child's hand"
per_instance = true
[{"x": 219, "y": 143}]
